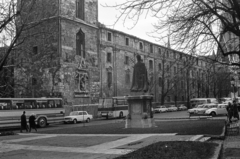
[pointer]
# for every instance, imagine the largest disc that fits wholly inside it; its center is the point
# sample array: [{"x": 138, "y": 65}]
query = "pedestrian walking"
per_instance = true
[
  {"x": 24, "y": 122},
  {"x": 235, "y": 110},
  {"x": 230, "y": 112},
  {"x": 32, "y": 123}
]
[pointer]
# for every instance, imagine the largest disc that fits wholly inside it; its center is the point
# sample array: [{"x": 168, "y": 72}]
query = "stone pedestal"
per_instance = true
[{"x": 140, "y": 112}]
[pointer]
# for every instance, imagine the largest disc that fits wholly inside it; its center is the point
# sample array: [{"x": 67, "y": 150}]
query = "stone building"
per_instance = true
[
  {"x": 173, "y": 75},
  {"x": 70, "y": 54}
]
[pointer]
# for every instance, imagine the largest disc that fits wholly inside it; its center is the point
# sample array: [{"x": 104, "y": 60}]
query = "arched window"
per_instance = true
[{"x": 80, "y": 43}]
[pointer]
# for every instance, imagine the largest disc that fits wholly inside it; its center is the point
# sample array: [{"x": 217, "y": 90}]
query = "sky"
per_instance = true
[{"x": 108, "y": 15}]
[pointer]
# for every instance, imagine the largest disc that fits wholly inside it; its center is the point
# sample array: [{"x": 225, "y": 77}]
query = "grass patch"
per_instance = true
[
  {"x": 173, "y": 150},
  {"x": 191, "y": 127}
]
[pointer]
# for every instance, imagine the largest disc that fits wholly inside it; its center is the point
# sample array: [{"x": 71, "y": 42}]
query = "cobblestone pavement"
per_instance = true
[
  {"x": 231, "y": 147},
  {"x": 80, "y": 146}
]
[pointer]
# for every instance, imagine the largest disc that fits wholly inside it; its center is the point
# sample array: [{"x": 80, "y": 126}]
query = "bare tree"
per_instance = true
[
  {"x": 193, "y": 24},
  {"x": 12, "y": 26}
]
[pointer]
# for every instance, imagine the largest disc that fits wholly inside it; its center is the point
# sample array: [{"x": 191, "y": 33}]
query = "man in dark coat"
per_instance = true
[
  {"x": 230, "y": 112},
  {"x": 24, "y": 122},
  {"x": 32, "y": 122},
  {"x": 235, "y": 110},
  {"x": 140, "y": 77}
]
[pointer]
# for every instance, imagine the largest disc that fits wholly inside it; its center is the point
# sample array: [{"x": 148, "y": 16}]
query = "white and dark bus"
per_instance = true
[
  {"x": 113, "y": 107},
  {"x": 47, "y": 110}
]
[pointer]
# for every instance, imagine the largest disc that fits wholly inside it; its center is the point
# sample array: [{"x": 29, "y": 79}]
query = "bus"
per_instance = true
[
  {"x": 113, "y": 107},
  {"x": 47, "y": 110},
  {"x": 198, "y": 101}
]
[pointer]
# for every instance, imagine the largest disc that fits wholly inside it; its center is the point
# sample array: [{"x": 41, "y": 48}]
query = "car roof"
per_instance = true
[{"x": 79, "y": 111}]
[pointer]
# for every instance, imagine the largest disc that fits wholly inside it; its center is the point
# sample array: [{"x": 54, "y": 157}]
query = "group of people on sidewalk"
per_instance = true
[
  {"x": 31, "y": 121},
  {"x": 232, "y": 111}
]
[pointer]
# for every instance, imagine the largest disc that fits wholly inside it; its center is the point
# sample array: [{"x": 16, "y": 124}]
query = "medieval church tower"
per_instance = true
[{"x": 59, "y": 56}]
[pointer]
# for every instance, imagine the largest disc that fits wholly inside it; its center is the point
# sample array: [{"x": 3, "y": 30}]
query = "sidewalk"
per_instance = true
[
  {"x": 231, "y": 146},
  {"x": 79, "y": 146}
]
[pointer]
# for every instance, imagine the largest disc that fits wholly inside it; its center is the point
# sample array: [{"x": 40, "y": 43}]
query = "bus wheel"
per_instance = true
[
  {"x": 88, "y": 120},
  {"x": 42, "y": 122},
  {"x": 120, "y": 114}
]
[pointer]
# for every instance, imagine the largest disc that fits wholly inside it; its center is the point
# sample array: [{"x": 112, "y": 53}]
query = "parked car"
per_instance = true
[
  {"x": 172, "y": 108},
  {"x": 160, "y": 109},
  {"x": 182, "y": 107},
  {"x": 221, "y": 109},
  {"x": 194, "y": 110},
  {"x": 204, "y": 108},
  {"x": 78, "y": 116}
]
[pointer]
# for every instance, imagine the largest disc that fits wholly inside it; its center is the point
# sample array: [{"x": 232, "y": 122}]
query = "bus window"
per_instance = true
[
  {"x": 18, "y": 104},
  {"x": 41, "y": 104},
  {"x": 5, "y": 105},
  {"x": 51, "y": 104},
  {"x": 58, "y": 103},
  {"x": 30, "y": 104},
  {"x": 120, "y": 102}
]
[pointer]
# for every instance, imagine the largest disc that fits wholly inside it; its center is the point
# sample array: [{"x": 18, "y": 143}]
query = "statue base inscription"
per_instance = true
[{"x": 140, "y": 112}]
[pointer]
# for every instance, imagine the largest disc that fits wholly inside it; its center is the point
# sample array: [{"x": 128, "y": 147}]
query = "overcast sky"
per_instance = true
[{"x": 108, "y": 16}]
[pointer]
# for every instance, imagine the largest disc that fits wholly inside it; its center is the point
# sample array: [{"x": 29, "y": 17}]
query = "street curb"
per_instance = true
[
  {"x": 218, "y": 150},
  {"x": 218, "y": 137}
]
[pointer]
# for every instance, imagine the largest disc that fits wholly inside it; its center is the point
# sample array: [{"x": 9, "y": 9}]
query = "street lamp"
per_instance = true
[{"x": 233, "y": 85}]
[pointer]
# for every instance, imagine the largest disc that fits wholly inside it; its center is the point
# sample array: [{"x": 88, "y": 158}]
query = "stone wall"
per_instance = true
[{"x": 37, "y": 72}]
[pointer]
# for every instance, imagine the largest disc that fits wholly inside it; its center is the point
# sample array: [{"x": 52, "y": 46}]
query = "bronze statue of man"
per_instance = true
[{"x": 140, "y": 78}]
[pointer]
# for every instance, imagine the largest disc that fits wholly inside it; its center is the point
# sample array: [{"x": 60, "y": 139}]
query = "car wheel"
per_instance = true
[
  {"x": 213, "y": 114},
  {"x": 88, "y": 120},
  {"x": 42, "y": 122},
  {"x": 75, "y": 121},
  {"x": 120, "y": 114}
]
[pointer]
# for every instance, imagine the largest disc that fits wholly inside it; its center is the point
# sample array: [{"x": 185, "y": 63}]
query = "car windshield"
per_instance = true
[
  {"x": 74, "y": 113},
  {"x": 200, "y": 106}
]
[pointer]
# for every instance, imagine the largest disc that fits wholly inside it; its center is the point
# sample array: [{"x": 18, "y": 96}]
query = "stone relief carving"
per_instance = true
[{"x": 81, "y": 82}]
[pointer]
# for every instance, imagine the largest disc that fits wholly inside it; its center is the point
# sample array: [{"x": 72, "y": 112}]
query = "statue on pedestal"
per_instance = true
[{"x": 140, "y": 77}]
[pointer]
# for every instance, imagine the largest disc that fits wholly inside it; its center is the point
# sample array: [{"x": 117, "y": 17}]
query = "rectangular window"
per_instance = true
[
  {"x": 167, "y": 54},
  {"x": 35, "y": 50},
  {"x": 150, "y": 64},
  {"x": 34, "y": 81},
  {"x": 126, "y": 60},
  {"x": 109, "y": 79},
  {"x": 109, "y": 57},
  {"x": 109, "y": 36},
  {"x": 159, "y": 50},
  {"x": 168, "y": 68},
  {"x": 160, "y": 81},
  {"x": 80, "y": 9},
  {"x": 127, "y": 41},
  {"x": 159, "y": 66},
  {"x": 140, "y": 45},
  {"x": 151, "y": 48},
  {"x": 175, "y": 70}
]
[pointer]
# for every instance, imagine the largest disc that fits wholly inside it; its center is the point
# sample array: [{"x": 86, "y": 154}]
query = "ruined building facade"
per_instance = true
[{"x": 70, "y": 55}]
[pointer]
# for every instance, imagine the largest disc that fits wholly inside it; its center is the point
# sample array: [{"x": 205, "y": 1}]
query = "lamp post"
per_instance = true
[{"x": 233, "y": 85}]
